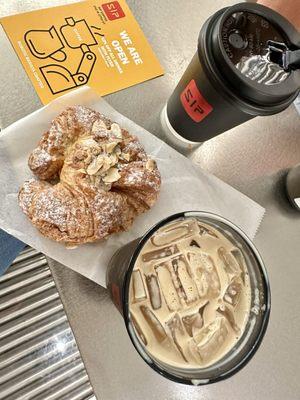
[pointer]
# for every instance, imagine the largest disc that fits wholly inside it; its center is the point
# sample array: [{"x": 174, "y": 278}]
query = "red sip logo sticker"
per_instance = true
[
  {"x": 113, "y": 10},
  {"x": 194, "y": 103}
]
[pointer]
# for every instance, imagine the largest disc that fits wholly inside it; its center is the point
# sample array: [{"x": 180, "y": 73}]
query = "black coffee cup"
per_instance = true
[{"x": 246, "y": 65}]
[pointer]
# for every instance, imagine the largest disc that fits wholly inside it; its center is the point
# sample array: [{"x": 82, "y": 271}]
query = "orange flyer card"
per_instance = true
[{"x": 93, "y": 42}]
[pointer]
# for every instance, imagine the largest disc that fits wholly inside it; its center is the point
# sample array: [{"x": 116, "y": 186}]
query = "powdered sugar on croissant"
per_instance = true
[{"x": 103, "y": 179}]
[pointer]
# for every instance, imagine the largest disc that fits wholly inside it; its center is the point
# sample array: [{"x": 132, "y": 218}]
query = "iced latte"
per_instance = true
[
  {"x": 189, "y": 294},
  {"x": 194, "y": 295}
]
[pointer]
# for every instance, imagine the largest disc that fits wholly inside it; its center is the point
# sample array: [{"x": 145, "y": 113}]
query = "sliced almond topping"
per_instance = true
[
  {"x": 105, "y": 186},
  {"x": 113, "y": 159},
  {"x": 150, "y": 164},
  {"x": 87, "y": 140},
  {"x": 98, "y": 125},
  {"x": 106, "y": 165},
  {"x": 109, "y": 147},
  {"x": 95, "y": 165},
  {"x": 112, "y": 175},
  {"x": 125, "y": 156},
  {"x": 116, "y": 130}
]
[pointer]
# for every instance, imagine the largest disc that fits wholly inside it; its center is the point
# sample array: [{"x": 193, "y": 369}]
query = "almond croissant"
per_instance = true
[{"x": 95, "y": 178}]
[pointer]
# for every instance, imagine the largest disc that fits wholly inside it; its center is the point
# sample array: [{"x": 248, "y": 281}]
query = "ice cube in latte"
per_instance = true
[{"x": 189, "y": 296}]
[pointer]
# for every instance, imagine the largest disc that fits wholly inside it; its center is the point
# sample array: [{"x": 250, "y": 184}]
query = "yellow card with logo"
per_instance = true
[{"x": 93, "y": 42}]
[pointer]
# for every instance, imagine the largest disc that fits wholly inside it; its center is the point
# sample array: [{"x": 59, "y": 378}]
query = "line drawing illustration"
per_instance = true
[
  {"x": 45, "y": 43},
  {"x": 60, "y": 79},
  {"x": 74, "y": 34}
]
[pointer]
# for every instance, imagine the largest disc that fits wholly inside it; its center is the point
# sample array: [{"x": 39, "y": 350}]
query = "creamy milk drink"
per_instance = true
[
  {"x": 189, "y": 294},
  {"x": 194, "y": 295}
]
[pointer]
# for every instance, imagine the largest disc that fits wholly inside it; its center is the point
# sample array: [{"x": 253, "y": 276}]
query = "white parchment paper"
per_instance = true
[{"x": 184, "y": 187}]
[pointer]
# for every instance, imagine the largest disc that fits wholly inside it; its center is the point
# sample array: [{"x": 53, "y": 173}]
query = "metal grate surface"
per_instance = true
[{"x": 39, "y": 358}]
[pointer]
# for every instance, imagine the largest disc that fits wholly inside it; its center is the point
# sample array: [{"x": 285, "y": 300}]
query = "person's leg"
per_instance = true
[{"x": 10, "y": 248}]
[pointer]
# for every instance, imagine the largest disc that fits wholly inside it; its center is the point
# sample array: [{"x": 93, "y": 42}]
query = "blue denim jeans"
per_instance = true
[{"x": 10, "y": 247}]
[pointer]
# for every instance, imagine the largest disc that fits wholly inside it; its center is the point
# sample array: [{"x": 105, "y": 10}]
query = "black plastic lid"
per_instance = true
[{"x": 240, "y": 39}]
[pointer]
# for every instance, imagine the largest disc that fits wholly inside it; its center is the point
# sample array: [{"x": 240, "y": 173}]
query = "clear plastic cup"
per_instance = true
[{"x": 118, "y": 282}]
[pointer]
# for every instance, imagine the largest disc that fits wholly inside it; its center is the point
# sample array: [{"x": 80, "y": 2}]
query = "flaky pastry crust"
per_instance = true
[{"x": 94, "y": 179}]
